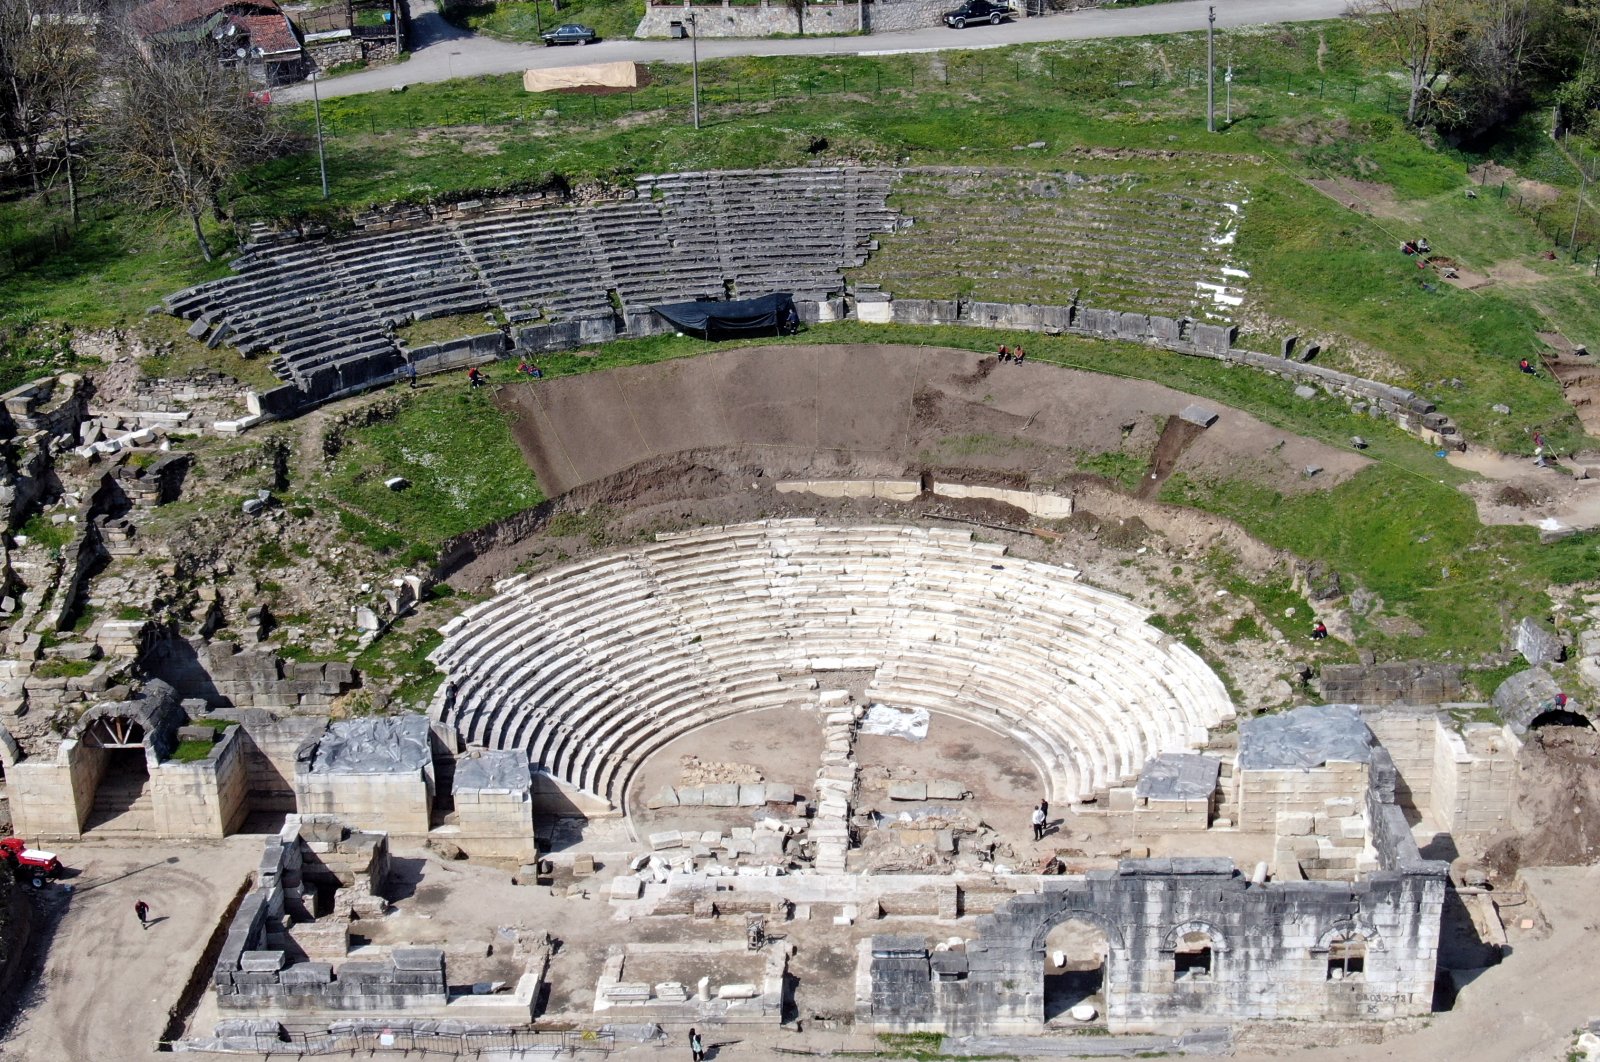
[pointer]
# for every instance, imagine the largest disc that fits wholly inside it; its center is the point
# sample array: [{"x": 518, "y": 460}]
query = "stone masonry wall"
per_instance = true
[
  {"x": 204, "y": 799},
  {"x": 750, "y": 20},
  {"x": 495, "y": 824},
  {"x": 397, "y": 802},
  {"x": 1269, "y": 951},
  {"x": 1264, "y": 795},
  {"x": 1475, "y": 781},
  {"x": 52, "y": 797},
  {"x": 250, "y": 974},
  {"x": 227, "y": 677}
]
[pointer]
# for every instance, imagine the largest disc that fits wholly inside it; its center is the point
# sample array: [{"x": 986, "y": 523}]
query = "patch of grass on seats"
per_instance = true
[
  {"x": 183, "y": 355},
  {"x": 454, "y": 447},
  {"x": 193, "y": 751},
  {"x": 438, "y": 329}
]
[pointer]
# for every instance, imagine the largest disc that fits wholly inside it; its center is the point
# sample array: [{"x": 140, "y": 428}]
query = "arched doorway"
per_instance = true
[
  {"x": 1077, "y": 957},
  {"x": 121, "y": 800}
]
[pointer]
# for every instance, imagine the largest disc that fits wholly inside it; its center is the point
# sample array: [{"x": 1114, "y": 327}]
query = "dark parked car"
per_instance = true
[
  {"x": 571, "y": 33},
  {"x": 976, "y": 11}
]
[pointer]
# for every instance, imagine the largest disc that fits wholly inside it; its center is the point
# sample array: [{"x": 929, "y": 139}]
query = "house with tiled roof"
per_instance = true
[{"x": 255, "y": 34}]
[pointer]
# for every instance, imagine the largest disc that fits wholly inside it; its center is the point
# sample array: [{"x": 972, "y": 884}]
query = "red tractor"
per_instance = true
[{"x": 27, "y": 864}]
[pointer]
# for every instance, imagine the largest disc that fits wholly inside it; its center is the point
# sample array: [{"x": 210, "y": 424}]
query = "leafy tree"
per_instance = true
[{"x": 1422, "y": 35}]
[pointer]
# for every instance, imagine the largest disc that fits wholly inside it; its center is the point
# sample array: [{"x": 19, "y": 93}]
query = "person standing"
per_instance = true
[
  {"x": 142, "y": 909},
  {"x": 697, "y": 1049},
  {"x": 1038, "y": 823}
]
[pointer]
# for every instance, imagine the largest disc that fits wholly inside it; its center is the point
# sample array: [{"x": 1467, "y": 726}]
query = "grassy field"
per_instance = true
[{"x": 1304, "y": 108}]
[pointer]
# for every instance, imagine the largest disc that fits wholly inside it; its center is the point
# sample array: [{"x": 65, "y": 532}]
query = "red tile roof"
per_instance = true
[
  {"x": 159, "y": 16},
  {"x": 271, "y": 33}
]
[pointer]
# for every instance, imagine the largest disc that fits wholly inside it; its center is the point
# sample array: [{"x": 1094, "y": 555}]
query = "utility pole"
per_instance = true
[
  {"x": 1211, "y": 71},
  {"x": 1572, "y": 241},
  {"x": 394, "y": 16},
  {"x": 316, "y": 105},
  {"x": 694, "y": 63}
]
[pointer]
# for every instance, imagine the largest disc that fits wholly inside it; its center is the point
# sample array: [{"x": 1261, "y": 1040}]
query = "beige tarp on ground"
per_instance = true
[{"x": 589, "y": 75}]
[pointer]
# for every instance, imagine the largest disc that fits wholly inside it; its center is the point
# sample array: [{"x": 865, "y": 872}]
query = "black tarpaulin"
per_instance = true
[{"x": 766, "y": 315}]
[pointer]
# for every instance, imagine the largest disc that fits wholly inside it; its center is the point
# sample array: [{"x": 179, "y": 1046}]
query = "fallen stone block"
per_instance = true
[
  {"x": 906, "y": 791},
  {"x": 627, "y": 887}
]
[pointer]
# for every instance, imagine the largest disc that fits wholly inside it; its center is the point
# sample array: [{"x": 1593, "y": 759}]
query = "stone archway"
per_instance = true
[{"x": 1079, "y": 956}]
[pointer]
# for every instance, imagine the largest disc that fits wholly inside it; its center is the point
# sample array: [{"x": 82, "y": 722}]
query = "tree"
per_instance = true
[
  {"x": 62, "y": 48},
  {"x": 178, "y": 128},
  {"x": 1421, "y": 35},
  {"x": 1491, "y": 79}
]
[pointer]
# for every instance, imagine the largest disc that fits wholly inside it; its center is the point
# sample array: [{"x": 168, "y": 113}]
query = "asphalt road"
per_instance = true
[{"x": 442, "y": 52}]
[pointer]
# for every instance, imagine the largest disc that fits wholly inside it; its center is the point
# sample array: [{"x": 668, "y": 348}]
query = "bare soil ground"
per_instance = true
[
  {"x": 1516, "y": 491},
  {"x": 1371, "y": 198},
  {"x": 1557, "y": 819},
  {"x": 885, "y": 410}
]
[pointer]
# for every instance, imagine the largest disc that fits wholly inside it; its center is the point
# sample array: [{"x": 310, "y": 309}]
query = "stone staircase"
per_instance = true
[{"x": 122, "y": 805}]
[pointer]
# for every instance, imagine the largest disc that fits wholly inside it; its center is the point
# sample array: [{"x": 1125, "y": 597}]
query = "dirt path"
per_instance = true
[
  {"x": 107, "y": 984},
  {"x": 1516, "y": 491}
]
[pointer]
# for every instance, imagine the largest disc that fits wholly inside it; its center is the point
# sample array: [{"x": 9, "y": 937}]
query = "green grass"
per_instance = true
[
  {"x": 439, "y": 329},
  {"x": 1415, "y": 542},
  {"x": 516, "y": 20},
  {"x": 456, "y": 450},
  {"x": 61, "y": 667},
  {"x": 218, "y": 725},
  {"x": 193, "y": 751},
  {"x": 42, "y": 532}
]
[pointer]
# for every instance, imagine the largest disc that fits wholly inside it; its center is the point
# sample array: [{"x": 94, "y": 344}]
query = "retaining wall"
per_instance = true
[{"x": 751, "y": 20}]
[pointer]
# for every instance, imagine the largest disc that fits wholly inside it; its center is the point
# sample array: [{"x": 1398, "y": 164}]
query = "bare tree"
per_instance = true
[
  {"x": 1421, "y": 35},
  {"x": 1492, "y": 65},
  {"x": 178, "y": 128},
  {"x": 64, "y": 48}
]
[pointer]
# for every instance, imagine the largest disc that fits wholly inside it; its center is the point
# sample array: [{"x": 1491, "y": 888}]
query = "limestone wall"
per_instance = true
[
  {"x": 495, "y": 824},
  {"x": 1171, "y": 816},
  {"x": 53, "y": 798},
  {"x": 1474, "y": 781},
  {"x": 1402, "y": 682},
  {"x": 270, "y": 745},
  {"x": 1269, "y": 943},
  {"x": 457, "y": 353},
  {"x": 398, "y": 802},
  {"x": 1410, "y": 738},
  {"x": 1264, "y": 795},
  {"x": 225, "y": 676},
  {"x": 551, "y": 796},
  {"x": 204, "y": 799}
]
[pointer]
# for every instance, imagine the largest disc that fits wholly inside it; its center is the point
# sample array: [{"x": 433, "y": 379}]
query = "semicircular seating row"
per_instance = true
[
  {"x": 592, "y": 666},
  {"x": 326, "y": 309}
]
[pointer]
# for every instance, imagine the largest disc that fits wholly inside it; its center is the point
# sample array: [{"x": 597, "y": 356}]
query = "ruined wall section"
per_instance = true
[{"x": 1269, "y": 943}]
